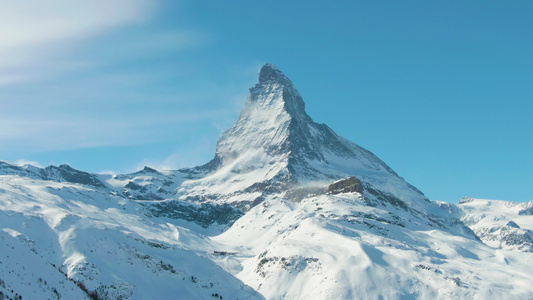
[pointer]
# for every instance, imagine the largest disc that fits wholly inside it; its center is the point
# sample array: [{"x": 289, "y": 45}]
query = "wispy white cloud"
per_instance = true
[
  {"x": 47, "y": 134},
  {"x": 42, "y": 43},
  {"x": 197, "y": 153},
  {"x": 35, "y": 35},
  {"x": 23, "y": 162},
  {"x": 53, "y": 132},
  {"x": 34, "y": 23}
]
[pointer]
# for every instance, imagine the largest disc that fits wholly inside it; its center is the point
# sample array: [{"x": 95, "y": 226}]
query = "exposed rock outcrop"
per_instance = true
[{"x": 347, "y": 185}]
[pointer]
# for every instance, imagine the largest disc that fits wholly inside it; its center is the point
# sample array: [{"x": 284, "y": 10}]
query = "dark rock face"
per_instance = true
[
  {"x": 133, "y": 186},
  {"x": 370, "y": 194},
  {"x": 512, "y": 236},
  {"x": 5, "y": 167},
  {"x": 512, "y": 224},
  {"x": 348, "y": 185},
  {"x": 148, "y": 170},
  {"x": 269, "y": 72},
  {"x": 204, "y": 215},
  {"x": 382, "y": 197}
]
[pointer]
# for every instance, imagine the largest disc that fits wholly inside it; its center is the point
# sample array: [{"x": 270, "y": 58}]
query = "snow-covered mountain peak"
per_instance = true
[{"x": 275, "y": 146}]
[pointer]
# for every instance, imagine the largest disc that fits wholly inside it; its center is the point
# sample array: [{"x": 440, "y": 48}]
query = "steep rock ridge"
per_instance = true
[{"x": 275, "y": 146}]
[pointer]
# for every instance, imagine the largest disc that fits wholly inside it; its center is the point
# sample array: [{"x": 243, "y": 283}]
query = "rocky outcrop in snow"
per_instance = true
[{"x": 348, "y": 185}]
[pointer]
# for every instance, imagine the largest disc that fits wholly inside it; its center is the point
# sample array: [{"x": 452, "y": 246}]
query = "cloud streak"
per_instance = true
[
  {"x": 59, "y": 133},
  {"x": 34, "y": 23},
  {"x": 36, "y": 35}
]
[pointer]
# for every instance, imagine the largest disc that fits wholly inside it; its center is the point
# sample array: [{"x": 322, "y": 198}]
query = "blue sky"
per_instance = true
[{"x": 440, "y": 90}]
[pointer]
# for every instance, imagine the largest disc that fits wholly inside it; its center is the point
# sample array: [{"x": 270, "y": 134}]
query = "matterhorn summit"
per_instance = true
[
  {"x": 286, "y": 209},
  {"x": 275, "y": 147}
]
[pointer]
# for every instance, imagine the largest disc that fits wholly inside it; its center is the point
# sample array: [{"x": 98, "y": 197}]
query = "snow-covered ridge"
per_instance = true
[
  {"x": 500, "y": 224},
  {"x": 62, "y": 173}
]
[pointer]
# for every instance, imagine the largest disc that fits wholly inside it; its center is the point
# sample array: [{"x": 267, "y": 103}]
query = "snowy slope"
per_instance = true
[
  {"x": 23, "y": 273},
  {"x": 323, "y": 247},
  {"x": 338, "y": 247},
  {"x": 108, "y": 244}
]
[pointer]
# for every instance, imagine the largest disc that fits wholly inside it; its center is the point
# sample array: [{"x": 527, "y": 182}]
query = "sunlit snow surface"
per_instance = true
[
  {"x": 105, "y": 242},
  {"x": 335, "y": 247}
]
